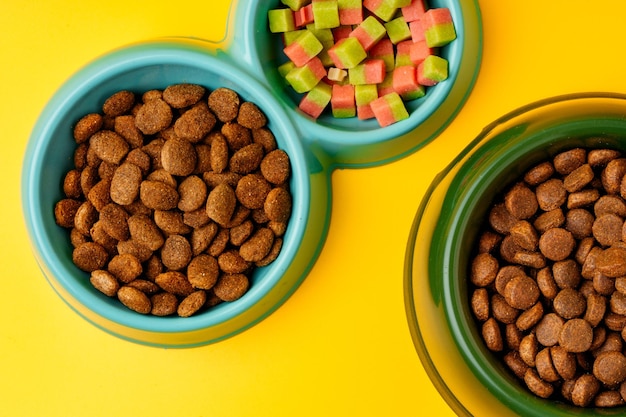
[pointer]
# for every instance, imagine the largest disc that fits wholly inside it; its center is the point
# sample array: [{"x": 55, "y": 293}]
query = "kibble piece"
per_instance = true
[
  {"x": 484, "y": 269},
  {"x": 556, "y": 244},
  {"x": 613, "y": 174},
  {"x": 610, "y": 368},
  {"x": 144, "y": 231},
  {"x": 257, "y": 246},
  {"x": 145, "y": 286},
  {"x": 109, "y": 146},
  {"x": 508, "y": 249},
  {"x": 275, "y": 167},
  {"x": 154, "y": 116},
  {"x": 100, "y": 194},
  {"x": 521, "y": 201},
  {"x": 178, "y": 157},
  {"x": 176, "y": 252},
  {"x": 202, "y": 236},
  {"x": 566, "y": 273},
  {"x": 569, "y": 303},
  {"x": 530, "y": 317},
  {"x": 125, "y": 126},
  {"x": 582, "y": 198},
  {"x": 119, "y": 103},
  {"x": 219, "y": 153},
  {"x": 219, "y": 243},
  {"x": 596, "y": 308},
  {"x": 195, "y": 123},
  {"x": 488, "y": 241},
  {"x": 576, "y": 335},
  {"x": 236, "y": 135},
  {"x": 564, "y": 362},
  {"x": 618, "y": 303},
  {"x": 86, "y": 216},
  {"x": 610, "y": 204},
  {"x": 171, "y": 222},
  {"x": 224, "y": 102},
  {"x": 193, "y": 193},
  {"x": 105, "y": 282},
  {"x": 548, "y": 220},
  {"x": 183, "y": 95},
  {"x": 538, "y": 386},
  {"x": 251, "y": 116},
  {"x": 601, "y": 157},
  {"x": 607, "y": 399},
  {"x": 502, "y": 311},
  {"x": 551, "y": 194},
  {"x": 239, "y": 234},
  {"x": 221, "y": 203},
  {"x": 277, "y": 205},
  {"x": 125, "y": 267},
  {"x": 231, "y": 262},
  {"x": 521, "y": 292},
  {"x": 114, "y": 221},
  {"x": 531, "y": 259},
  {"x": 579, "y": 222},
  {"x": 203, "y": 271},
  {"x": 158, "y": 195},
  {"x": 607, "y": 229},
  {"x": 492, "y": 335},
  {"x": 545, "y": 367},
  {"x": 266, "y": 138},
  {"x": 89, "y": 256},
  {"x": 549, "y": 329},
  {"x": 528, "y": 349},
  {"x": 578, "y": 178},
  {"x": 175, "y": 282},
  {"x": 524, "y": 235},
  {"x": 611, "y": 262},
  {"x": 247, "y": 159},
  {"x": 539, "y": 173},
  {"x": 567, "y": 161},
  {"x": 546, "y": 283},
  {"x": 125, "y": 183},
  {"x": 192, "y": 303},
  {"x": 163, "y": 304},
  {"x": 515, "y": 363},
  {"x": 87, "y": 126},
  {"x": 585, "y": 390},
  {"x": 231, "y": 287},
  {"x": 134, "y": 299},
  {"x": 252, "y": 190},
  {"x": 480, "y": 304}
]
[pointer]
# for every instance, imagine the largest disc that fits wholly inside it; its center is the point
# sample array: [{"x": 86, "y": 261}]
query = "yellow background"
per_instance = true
[{"x": 340, "y": 345}]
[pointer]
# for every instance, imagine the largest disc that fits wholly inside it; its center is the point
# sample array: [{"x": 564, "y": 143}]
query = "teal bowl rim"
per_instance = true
[
  {"x": 458, "y": 209},
  {"x": 159, "y": 53}
]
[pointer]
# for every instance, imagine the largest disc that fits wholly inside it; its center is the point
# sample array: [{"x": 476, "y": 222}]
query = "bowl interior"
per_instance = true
[
  {"x": 268, "y": 48},
  {"x": 502, "y": 158},
  {"x": 50, "y": 155}
]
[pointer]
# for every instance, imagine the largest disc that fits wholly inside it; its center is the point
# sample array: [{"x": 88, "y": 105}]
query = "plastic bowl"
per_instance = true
[
  {"x": 468, "y": 376},
  {"x": 246, "y": 61}
]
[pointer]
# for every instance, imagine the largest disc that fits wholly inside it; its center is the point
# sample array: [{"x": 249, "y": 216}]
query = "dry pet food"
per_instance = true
[
  {"x": 548, "y": 280},
  {"x": 175, "y": 197}
]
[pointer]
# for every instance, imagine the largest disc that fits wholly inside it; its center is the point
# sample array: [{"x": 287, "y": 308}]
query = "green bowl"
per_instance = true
[{"x": 443, "y": 238}]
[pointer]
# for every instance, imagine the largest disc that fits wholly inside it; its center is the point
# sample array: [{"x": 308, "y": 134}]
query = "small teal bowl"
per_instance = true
[{"x": 246, "y": 61}]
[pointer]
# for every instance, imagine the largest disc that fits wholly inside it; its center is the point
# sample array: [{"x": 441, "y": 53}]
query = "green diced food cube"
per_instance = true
[
  {"x": 285, "y": 68},
  {"x": 398, "y": 30},
  {"x": 295, "y": 4},
  {"x": 326, "y": 14},
  {"x": 291, "y": 36},
  {"x": 280, "y": 20},
  {"x": 365, "y": 94},
  {"x": 435, "y": 68}
]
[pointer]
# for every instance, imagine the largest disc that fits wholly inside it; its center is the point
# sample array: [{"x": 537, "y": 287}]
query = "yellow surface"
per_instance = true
[{"x": 340, "y": 346}]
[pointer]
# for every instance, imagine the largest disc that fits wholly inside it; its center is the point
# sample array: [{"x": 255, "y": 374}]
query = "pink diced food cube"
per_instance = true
[
  {"x": 419, "y": 51},
  {"x": 342, "y": 101},
  {"x": 386, "y": 86},
  {"x": 369, "y": 32},
  {"x": 370, "y": 71},
  {"x": 303, "y": 16},
  {"x": 384, "y": 50},
  {"x": 384, "y": 9},
  {"x": 316, "y": 100},
  {"x": 325, "y": 14},
  {"x": 403, "y": 53},
  {"x": 305, "y": 47},
  {"x": 350, "y": 12},
  {"x": 432, "y": 70},
  {"x": 341, "y": 32},
  {"x": 438, "y": 27},
  {"x": 347, "y": 53},
  {"x": 405, "y": 83},
  {"x": 414, "y": 11},
  {"x": 389, "y": 109},
  {"x": 417, "y": 30},
  {"x": 303, "y": 79}
]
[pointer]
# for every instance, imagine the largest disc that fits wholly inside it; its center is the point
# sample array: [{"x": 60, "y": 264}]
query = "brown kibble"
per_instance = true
[
  {"x": 582, "y": 198},
  {"x": 528, "y": 349},
  {"x": 515, "y": 363},
  {"x": 219, "y": 243},
  {"x": 545, "y": 367},
  {"x": 192, "y": 303},
  {"x": 579, "y": 222},
  {"x": 521, "y": 202},
  {"x": 585, "y": 390},
  {"x": 618, "y": 303},
  {"x": 566, "y": 273},
  {"x": 578, "y": 178},
  {"x": 610, "y": 368},
  {"x": 202, "y": 236},
  {"x": 564, "y": 362},
  {"x": 125, "y": 183},
  {"x": 502, "y": 311},
  {"x": 239, "y": 234},
  {"x": 530, "y": 317},
  {"x": 556, "y": 244},
  {"x": 90, "y": 256},
  {"x": 536, "y": 385},
  {"x": 130, "y": 246},
  {"x": 87, "y": 126},
  {"x": 611, "y": 262},
  {"x": 176, "y": 252},
  {"x": 524, "y": 235},
  {"x": 195, "y": 124},
  {"x": 272, "y": 255},
  {"x": 492, "y": 335},
  {"x": 104, "y": 282},
  {"x": 86, "y": 216},
  {"x": 548, "y": 220},
  {"x": 224, "y": 102},
  {"x": 171, "y": 222},
  {"x": 219, "y": 153},
  {"x": 221, "y": 203},
  {"x": 549, "y": 329},
  {"x": 596, "y": 308},
  {"x": 193, "y": 193},
  {"x": 251, "y": 116},
  {"x": 521, "y": 292},
  {"x": 203, "y": 271},
  {"x": 576, "y": 335},
  {"x": 601, "y": 157},
  {"x": 484, "y": 269},
  {"x": 569, "y": 303},
  {"x": 532, "y": 259},
  {"x": 610, "y": 204},
  {"x": 608, "y": 399},
  {"x": 109, "y": 146},
  {"x": 607, "y": 229},
  {"x": 613, "y": 174},
  {"x": 174, "y": 282},
  {"x": 134, "y": 299},
  {"x": 480, "y": 304},
  {"x": 145, "y": 286},
  {"x": 231, "y": 287},
  {"x": 163, "y": 304},
  {"x": 125, "y": 267},
  {"x": 539, "y": 173},
  {"x": 183, "y": 95},
  {"x": 158, "y": 195},
  {"x": 125, "y": 127},
  {"x": 114, "y": 221},
  {"x": 275, "y": 167},
  {"x": 546, "y": 283},
  {"x": 145, "y": 232},
  {"x": 257, "y": 246},
  {"x": 265, "y": 137},
  {"x": 551, "y": 194},
  {"x": 100, "y": 194},
  {"x": 236, "y": 135},
  {"x": 568, "y": 161},
  {"x": 154, "y": 116},
  {"x": 231, "y": 262},
  {"x": 247, "y": 159},
  {"x": 277, "y": 205},
  {"x": 119, "y": 103},
  {"x": 252, "y": 190},
  {"x": 178, "y": 157}
]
